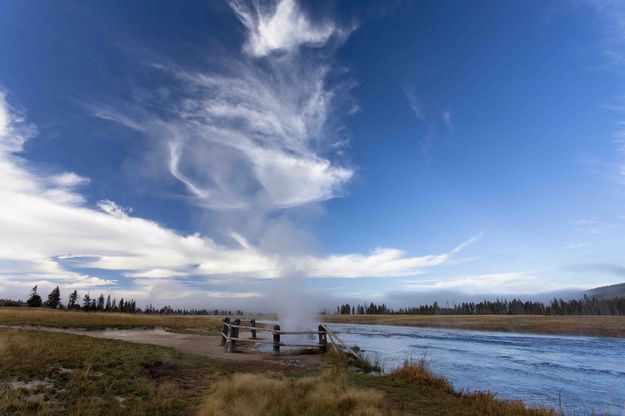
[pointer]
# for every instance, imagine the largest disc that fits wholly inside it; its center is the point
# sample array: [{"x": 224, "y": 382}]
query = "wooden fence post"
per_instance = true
[
  {"x": 225, "y": 330},
  {"x": 323, "y": 339},
  {"x": 276, "y": 340},
  {"x": 253, "y": 323},
  {"x": 234, "y": 333}
]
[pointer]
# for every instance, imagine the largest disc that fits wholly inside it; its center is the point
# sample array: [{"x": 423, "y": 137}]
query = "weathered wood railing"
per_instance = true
[{"x": 230, "y": 336}]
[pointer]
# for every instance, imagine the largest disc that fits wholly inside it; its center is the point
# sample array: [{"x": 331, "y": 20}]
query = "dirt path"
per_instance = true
[{"x": 204, "y": 345}]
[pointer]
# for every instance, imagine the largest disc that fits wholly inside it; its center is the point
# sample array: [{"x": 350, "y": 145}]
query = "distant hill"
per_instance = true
[{"x": 607, "y": 292}]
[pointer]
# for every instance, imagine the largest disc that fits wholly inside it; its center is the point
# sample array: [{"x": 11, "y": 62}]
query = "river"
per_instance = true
[{"x": 576, "y": 374}]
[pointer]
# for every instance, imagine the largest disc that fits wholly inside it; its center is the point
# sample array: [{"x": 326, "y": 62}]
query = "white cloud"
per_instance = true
[
  {"x": 113, "y": 209},
  {"x": 47, "y": 229},
  {"x": 13, "y": 130},
  {"x": 249, "y": 139},
  {"x": 68, "y": 180},
  {"x": 261, "y": 136},
  {"x": 258, "y": 136},
  {"x": 280, "y": 26},
  {"x": 382, "y": 262},
  {"x": 490, "y": 284}
]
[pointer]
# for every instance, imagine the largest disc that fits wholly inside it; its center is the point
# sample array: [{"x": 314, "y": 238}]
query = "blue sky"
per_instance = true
[{"x": 214, "y": 153}]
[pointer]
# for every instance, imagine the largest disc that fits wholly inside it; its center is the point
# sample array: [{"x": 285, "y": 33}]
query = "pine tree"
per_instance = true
[
  {"x": 71, "y": 303},
  {"x": 86, "y": 302},
  {"x": 54, "y": 298},
  {"x": 34, "y": 301},
  {"x": 100, "y": 304},
  {"x": 107, "y": 307}
]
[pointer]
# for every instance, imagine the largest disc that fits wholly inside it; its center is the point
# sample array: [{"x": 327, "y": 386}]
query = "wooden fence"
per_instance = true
[{"x": 231, "y": 330}]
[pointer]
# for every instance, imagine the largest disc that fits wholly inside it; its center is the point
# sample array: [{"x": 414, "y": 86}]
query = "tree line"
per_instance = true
[
  {"x": 584, "y": 306},
  {"x": 87, "y": 303},
  {"x": 104, "y": 304}
]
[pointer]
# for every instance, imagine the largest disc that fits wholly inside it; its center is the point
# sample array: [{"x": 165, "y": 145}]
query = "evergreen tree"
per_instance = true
[
  {"x": 34, "y": 301},
  {"x": 107, "y": 307},
  {"x": 100, "y": 304},
  {"x": 73, "y": 298},
  {"x": 54, "y": 298},
  {"x": 86, "y": 302}
]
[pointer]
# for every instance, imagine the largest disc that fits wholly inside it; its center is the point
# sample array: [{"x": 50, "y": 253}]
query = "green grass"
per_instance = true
[{"x": 77, "y": 375}]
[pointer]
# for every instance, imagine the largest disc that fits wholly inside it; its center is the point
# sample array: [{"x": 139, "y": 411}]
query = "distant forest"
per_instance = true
[
  {"x": 104, "y": 304},
  {"x": 585, "y": 306}
]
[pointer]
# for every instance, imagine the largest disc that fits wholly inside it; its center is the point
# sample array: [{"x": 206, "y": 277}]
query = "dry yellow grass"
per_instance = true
[
  {"x": 43, "y": 373},
  {"x": 274, "y": 394},
  {"x": 602, "y": 326},
  {"x": 409, "y": 390},
  {"x": 416, "y": 373},
  {"x": 101, "y": 320}
]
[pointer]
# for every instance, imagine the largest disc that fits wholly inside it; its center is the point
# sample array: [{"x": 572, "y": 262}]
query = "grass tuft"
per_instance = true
[
  {"x": 418, "y": 373},
  {"x": 275, "y": 394}
]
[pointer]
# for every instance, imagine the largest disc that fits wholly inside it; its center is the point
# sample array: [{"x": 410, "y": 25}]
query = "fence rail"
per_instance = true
[{"x": 230, "y": 336}]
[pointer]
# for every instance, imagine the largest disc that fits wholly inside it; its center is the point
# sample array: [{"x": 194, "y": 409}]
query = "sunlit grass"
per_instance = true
[
  {"x": 43, "y": 373},
  {"x": 417, "y": 390},
  {"x": 102, "y": 320},
  {"x": 274, "y": 394}
]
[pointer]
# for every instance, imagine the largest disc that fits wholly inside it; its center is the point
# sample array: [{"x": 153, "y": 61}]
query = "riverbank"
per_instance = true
[
  {"x": 50, "y": 373},
  {"x": 597, "y": 326}
]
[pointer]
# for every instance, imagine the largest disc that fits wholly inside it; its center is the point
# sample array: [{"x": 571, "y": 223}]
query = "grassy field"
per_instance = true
[
  {"x": 603, "y": 326},
  {"x": 47, "y": 373},
  {"x": 102, "y": 320},
  {"x": 607, "y": 326},
  {"x": 44, "y": 373}
]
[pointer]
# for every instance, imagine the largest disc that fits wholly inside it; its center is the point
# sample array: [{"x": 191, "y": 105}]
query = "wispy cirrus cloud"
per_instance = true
[
  {"x": 517, "y": 283},
  {"x": 257, "y": 135},
  {"x": 280, "y": 26},
  {"x": 49, "y": 230},
  {"x": 430, "y": 117},
  {"x": 263, "y": 131}
]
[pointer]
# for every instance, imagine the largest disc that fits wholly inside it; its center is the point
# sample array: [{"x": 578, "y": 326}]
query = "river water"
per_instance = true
[{"x": 576, "y": 374}]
